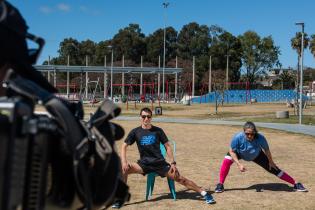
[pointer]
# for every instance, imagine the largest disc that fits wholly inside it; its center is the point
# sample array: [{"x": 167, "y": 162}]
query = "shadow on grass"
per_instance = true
[
  {"x": 188, "y": 194},
  {"x": 266, "y": 186},
  {"x": 183, "y": 194}
]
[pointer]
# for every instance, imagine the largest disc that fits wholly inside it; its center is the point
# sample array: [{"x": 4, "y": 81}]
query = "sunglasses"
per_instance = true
[
  {"x": 250, "y": 134},
  {"x": 146, "y": 116}
]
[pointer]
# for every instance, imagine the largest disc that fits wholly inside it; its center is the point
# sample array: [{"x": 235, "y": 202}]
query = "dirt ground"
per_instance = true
[{"x": 199, "y": 152}]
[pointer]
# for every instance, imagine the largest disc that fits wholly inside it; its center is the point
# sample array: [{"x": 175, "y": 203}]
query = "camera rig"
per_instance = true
[{"x": 78, "y": 157}]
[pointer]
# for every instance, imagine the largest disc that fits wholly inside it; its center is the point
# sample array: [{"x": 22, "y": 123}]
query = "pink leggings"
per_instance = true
[{"x": 261, "y": 160}]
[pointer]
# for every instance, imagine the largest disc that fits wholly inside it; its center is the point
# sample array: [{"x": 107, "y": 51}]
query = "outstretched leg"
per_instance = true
[
  {"x": 263, "y": 161},
  {"x": 186, "y": 182},
  {"x": 174, "y": 174}
]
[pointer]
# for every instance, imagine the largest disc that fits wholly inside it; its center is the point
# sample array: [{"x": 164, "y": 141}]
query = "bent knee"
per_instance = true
[{"x": 133, "y": 169}]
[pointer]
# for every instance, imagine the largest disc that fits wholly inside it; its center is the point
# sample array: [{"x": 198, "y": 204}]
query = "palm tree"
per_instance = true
[
  {"x": 312, "y": 44},
  {"x": 296, "y": 42},
  {"x": 296, "y": 45}
]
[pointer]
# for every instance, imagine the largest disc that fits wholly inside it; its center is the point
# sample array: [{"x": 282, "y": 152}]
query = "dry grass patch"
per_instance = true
[{"x": 199, "y": 152}]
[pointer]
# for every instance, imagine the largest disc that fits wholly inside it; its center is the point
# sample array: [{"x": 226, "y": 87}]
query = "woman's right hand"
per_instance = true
[{"x": 241, "y": 167}]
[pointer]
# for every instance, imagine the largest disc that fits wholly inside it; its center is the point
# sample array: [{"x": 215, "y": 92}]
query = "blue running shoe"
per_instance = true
[
  {"x": 299, "y": 188},
  {"x": 209, "y": 199}
]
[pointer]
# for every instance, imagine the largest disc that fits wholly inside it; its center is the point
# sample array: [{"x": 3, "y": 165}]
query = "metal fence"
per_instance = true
[{"x": 245, "y": 96}]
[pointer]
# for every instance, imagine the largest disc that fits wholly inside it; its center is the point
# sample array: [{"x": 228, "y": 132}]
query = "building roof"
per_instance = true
[{"x": 107, "y": 69}]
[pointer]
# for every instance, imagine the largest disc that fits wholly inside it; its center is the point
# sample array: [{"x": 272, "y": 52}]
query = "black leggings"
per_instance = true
[{"x": 263, "y": 161}]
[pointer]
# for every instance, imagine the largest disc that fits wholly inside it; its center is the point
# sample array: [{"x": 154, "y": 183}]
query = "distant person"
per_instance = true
[
  {"x": 148, "y": 139},
  {"x": 250, "y": 145}
]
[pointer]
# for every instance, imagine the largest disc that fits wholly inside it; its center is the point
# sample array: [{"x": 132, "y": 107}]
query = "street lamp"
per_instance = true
[
  {"x": 165, "y": 5},
  {"x": 301, "y": 72},
  {"x": 111, "y": 72}
]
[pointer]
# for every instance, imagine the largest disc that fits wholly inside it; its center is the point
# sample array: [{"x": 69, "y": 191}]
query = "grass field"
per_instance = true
[
  {"x": 260, "y": 112},
  {"x": 200, "y": 150}
]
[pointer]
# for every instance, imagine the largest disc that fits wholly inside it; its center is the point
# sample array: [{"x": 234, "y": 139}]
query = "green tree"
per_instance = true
[
  {"x": 155, "y": 45},
  {"x": 297, "y": 40},
  {"x": 312, "y": 45},
  {"x": 223, "y": 45},
  {"x": 87, "y": 49},
  {"x": 68, "y": 47},
  {"x": 130, "y": 43},
  {"x": 259, "y": 56},
  {"x": 101, "y": 50},
  {"x": 286, "y": 80},
  {"x": 296, "y": 45},
  {"x": 193, "y": 40},
  {"x": 215, "y": 32}
]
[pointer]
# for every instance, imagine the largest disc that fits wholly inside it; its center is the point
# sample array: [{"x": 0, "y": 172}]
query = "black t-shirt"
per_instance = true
[{"x": 148, "y": 142}]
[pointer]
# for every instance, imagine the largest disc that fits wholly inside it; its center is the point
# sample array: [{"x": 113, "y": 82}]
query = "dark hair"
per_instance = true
[
  {"x": 146, "y": 109},
  {"x": 250, "y": 125}
]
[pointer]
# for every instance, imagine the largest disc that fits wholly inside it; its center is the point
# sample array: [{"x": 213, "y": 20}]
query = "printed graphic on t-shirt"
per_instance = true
[{"x": 148, "y": 140}]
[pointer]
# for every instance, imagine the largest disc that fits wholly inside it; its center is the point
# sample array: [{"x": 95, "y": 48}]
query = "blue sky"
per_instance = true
[{"x": 99, "y": 20}]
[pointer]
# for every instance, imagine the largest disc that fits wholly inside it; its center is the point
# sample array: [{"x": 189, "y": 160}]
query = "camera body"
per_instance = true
[
  {"x": 78, "y": 157},
  {"x": 24, "y": 150},
  {"x": 81, "y": 155}
]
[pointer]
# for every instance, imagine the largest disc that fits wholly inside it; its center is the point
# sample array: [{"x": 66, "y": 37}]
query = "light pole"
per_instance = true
[
  {"x": 301, "y": 72},
  {"x": 210, "y": 72},
  {"x": 111, "y": 72},
  {"x": 165, "y": 5}
]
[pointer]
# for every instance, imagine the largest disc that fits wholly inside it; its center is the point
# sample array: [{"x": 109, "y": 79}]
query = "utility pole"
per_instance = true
[
  {"x": 165, "y": 5},
  {"x": 111, "y": 71},
  {"x": 210, "y": 74},
  {"x": 301, "y": 72}
]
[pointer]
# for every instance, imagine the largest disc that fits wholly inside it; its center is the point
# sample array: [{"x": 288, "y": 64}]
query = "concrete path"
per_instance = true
[{"x": 295, "y": 128}]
